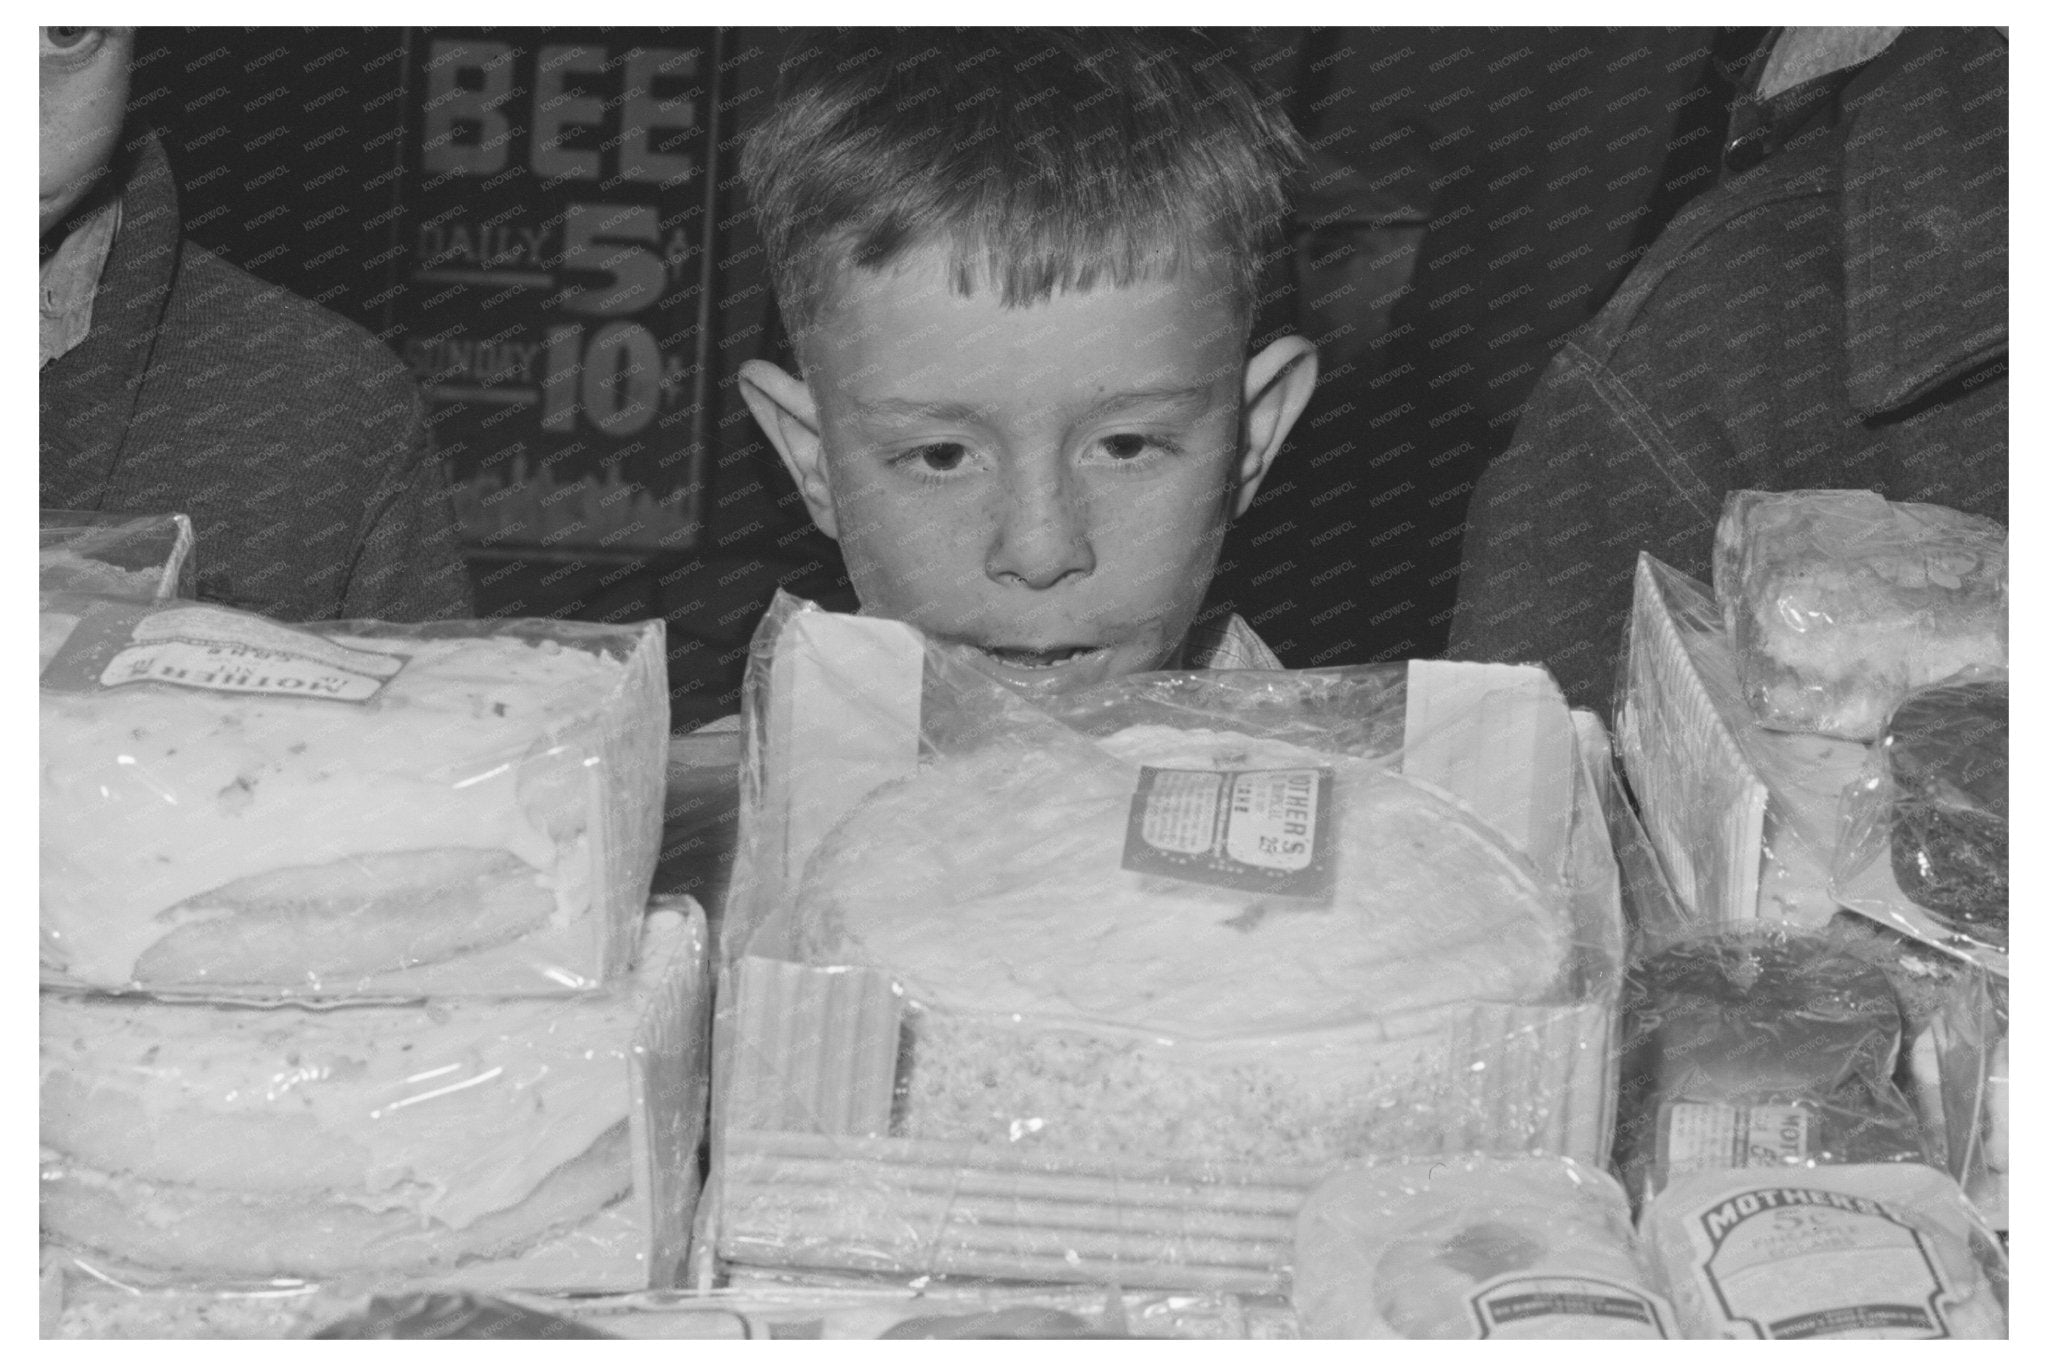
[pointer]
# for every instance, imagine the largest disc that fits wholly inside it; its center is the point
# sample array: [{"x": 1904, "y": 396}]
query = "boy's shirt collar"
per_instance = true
[
  {"x": 71, "y": 278},
  {"x": 1227, "y": 642}
]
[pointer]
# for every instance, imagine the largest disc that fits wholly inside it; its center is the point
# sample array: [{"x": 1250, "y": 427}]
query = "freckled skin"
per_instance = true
[
  {"x": 83, "y": 98},
  {"x": 1054, "y": 475}
]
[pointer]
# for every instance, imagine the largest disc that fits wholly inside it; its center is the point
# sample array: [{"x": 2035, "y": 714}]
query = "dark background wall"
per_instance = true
[{"x": 1475, "y": 195}]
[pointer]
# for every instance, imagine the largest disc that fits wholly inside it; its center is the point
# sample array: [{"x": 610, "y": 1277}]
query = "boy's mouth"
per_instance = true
[
  {"x": 1022, "y": 657},
  {"x": 1046, "y": 668}
]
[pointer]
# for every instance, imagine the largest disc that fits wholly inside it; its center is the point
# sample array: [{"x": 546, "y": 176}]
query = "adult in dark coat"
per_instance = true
[
  {"x": 1832, "y": 315},
  {"x": 172, "y": 381}
]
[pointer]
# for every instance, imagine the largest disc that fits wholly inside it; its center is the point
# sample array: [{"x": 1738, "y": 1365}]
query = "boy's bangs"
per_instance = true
[{"x": 1027, "y": 253}]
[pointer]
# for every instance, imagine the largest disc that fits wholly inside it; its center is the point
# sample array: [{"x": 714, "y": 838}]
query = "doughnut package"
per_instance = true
[{"x": 1472, "y": 1247}]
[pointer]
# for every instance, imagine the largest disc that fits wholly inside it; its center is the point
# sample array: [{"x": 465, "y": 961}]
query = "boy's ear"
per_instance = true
[
  {"x": 1278, "y": 383},
  {"x": 787, "y": 414}
]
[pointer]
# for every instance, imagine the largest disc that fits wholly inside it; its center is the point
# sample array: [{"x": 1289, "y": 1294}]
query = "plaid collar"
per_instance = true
[{"x": 1227, "y": 643}]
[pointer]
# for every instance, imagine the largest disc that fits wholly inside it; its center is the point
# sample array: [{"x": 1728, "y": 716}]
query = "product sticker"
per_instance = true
[
  {"x": 1521, "y": 1306},
  {"x": 1794, "y": 1262},
  {"x": 1258, "y": 830},
  {"x": 1706, "y": 1135},
  {"x": 115, "y": 644}
]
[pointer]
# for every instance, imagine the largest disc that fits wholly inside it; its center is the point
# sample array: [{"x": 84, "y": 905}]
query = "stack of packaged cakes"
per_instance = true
[{"x": 349, "y": 969}]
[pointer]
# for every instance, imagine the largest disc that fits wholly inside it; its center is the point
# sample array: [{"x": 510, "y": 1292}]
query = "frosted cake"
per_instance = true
[
  {"x": 220, "y": 1141},
  {"x": 1071, "y": 1002},
  {"x": 494, "y": 792}
]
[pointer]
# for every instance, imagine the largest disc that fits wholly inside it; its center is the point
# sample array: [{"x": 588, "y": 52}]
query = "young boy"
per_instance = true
[{"x": 1018, "y": 270}]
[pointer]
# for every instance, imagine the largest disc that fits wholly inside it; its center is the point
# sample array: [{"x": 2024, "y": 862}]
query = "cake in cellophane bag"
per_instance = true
[
  {"x": 232, "y": 806},
  {"x": 1024, "y": 847},
  {"x": 1096, "y": 987},
  {"x": 538, "y": 1141}
]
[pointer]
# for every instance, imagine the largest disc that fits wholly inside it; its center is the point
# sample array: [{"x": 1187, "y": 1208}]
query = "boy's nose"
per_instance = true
[{"x": 1041, "y": 533}]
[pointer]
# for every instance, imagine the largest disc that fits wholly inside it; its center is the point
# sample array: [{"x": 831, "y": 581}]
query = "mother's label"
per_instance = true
[
  {"x": 1255, "y": 830},
  {"x": 116, "y": 644}
]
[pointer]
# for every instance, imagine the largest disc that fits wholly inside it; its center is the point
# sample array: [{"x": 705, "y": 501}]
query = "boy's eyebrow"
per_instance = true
[
  {"x": 1168, "y": 394},
  {"x": 948, "y": 411},
  {"x": 953, "y": 411}
]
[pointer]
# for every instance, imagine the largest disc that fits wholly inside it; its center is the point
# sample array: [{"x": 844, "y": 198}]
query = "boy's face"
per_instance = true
[
  {"x": 84, "y": 94},
  {"x": 1047, "y": 484}
]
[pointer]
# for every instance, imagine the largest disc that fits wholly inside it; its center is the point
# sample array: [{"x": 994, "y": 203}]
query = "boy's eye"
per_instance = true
[
  {"x": 1125, "y": 445},
  {"x": 942, "y": 456},
  {"x": 67, "y": 39}
]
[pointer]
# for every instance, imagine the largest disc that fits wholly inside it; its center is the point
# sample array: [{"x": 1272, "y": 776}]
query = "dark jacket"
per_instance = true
[
  {"x": 295, "y": 441},
  {"x": 1833, "y": 316}
]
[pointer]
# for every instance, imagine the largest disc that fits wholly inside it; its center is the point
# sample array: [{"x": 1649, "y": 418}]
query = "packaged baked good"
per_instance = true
[
  {"x": 1472, "y": 1247},
  {"x": 235, "y": 807},
  {"x": 1924, "y": 827},
  {"x": 1884, "y": 1251},
  {"x": 1970, "y": 1043},
  {"x": 1096, "y": 986},
  {"x": 1758, "y": 1048},
  {"x": 144, "y": 558},
  {"x": 1946, "y": 748},
  {"x": 1743, "y": 818},
  {"x": 1839, "y": 602},
  {"x": 453, "y": 1314},
  {"x": 536, "y": 1142}
]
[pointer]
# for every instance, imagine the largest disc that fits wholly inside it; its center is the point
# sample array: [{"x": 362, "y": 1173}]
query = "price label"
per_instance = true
[
  {"x": 1260, "y": 830},
  {"x": 1708, "y": 1136}
]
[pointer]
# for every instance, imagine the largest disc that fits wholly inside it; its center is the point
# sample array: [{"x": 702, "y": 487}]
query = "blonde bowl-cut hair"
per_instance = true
[{"x": 1045, "y": 159}]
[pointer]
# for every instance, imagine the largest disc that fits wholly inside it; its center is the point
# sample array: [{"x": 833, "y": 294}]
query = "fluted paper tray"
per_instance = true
[
  {"x": 807, "y": 1174},
  {"x": 1743, "y": 818}
]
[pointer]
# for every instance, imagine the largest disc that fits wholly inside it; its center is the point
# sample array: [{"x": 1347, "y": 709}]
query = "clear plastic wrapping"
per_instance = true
[
  {"x": 535, "y": 1142},
  {"x": 1884, "y": 1251},
  {"x": 1743, "y": 818},
  {"x": 143, "y": 558},
  {"x": 1092, "y": 989},
  {"x": 450, "y": 1314},
  {"x": 231, "y": 807},
  {"x": 1971, "y": 1037},
  {"x": 1923, "y": 844},
  {"x": 1758, "y": 1048},
  {"x": 81, "y": 1300},
  {"x": 1839, "y": 602},
  {"x": 700, "y": 819},
  {"x": 1473, "y": 1248}
]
